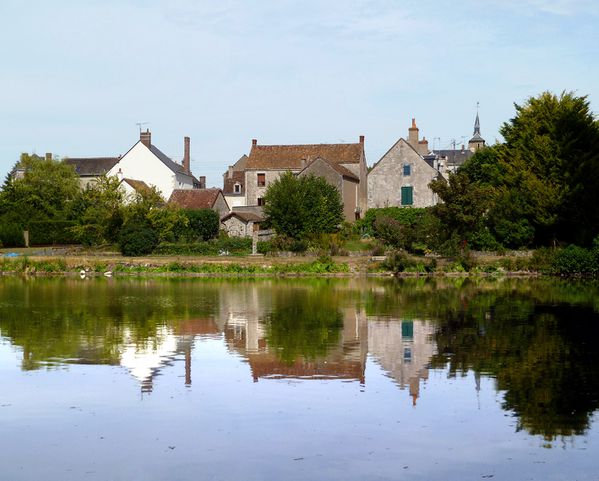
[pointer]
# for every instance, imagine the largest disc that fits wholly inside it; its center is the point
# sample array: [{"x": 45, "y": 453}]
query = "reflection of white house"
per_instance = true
[
  {"x": 403, "y": 349},
  {"x": 146, "y": 162}
]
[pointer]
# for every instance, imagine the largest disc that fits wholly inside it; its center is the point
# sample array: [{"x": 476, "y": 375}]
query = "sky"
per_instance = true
[{"x": 78, "y": 75}]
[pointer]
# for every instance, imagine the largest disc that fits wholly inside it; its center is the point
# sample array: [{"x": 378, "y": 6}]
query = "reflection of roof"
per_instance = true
[
  {"x": 92, "y": 165},
  {"x": 244, "y": 216},
  {"x": 137, "y": 185},
  {"x": 267, "y": 366},
  {"x": 194, "y": 198},
  {"x": 336, "y": 167},
  {"x": 295, "y": 157}
]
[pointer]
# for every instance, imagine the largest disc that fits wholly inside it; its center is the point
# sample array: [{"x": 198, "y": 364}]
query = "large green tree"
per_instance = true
[
  {"x": 301, "y": 206},
  {"x": 540, "y": 185},
  {"x": 44, "y": 192}
]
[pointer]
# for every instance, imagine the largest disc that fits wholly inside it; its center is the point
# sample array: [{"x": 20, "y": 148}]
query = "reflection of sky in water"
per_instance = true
[{"x": 227, "y": 427}]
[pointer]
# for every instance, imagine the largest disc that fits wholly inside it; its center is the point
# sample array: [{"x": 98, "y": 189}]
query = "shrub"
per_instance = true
[
  {"x": 574, "y": 260},
  {"x": 398, "y": 261},
  {"x": 11, "y": 235},
  {"x": 137, "y": 239},
  {"x": 203, "y": 224},
  {"x": 265, "y": 247}
]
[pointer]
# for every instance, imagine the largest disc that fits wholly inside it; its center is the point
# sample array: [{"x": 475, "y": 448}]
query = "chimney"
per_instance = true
[
  {"x": 413, "y": 134},
  {"x": 146, "y": 138},
  {"x": 48, "y": 155},
  {"x": 186, "y": 157},
  {"x": 202, "y": 181},
  {"x": 254, "y": 142},
  {"x": 361, "y": 139}
]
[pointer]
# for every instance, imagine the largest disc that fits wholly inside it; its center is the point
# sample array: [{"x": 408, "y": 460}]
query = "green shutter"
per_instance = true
[{"x": 406, "y": 196}]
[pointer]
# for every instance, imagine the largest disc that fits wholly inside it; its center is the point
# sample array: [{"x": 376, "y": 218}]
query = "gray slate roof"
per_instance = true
[
  {"x": 166, "y": 160},
  {"x": 92, "y": 166},
  {"x": 455, "y": 157}
]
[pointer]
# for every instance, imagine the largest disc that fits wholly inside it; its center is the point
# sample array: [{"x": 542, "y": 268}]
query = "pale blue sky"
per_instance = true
[{"x": 78, "y": 74}]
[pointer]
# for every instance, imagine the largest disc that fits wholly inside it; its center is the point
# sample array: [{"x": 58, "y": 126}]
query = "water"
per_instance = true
[{"x": 128, "y": 379}]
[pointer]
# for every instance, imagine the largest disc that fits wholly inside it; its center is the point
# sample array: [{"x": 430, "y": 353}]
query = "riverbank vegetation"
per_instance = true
[{"x": 538, "y": 190}]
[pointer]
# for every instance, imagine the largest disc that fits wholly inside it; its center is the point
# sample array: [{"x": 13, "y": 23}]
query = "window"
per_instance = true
[
  {"x": 260, "y": 200},
  {"x": 261, "y": 180},
  {"x": 407, "y": 169},
  {"x": 237, "y": 188},
  {"x": 407, "y": 197},
  {"x": 407, "y": 329},
  {"x": 407, "y": 354}
]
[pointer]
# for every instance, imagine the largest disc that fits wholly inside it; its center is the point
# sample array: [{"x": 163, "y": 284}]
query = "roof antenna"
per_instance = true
[{"x": 139, "y": 124}]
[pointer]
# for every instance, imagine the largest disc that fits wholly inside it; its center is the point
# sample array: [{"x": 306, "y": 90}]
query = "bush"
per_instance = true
[
  {"x": 264, "y": 247},
  {"x": 575, "y": 260},
  {"x": 398, "y": 261},
  {"x": 203, "y": 224},
  {"x": 11, "y": 235},
  {"x": 137, "y": 239},
  {"x": 51, "y": 232}
]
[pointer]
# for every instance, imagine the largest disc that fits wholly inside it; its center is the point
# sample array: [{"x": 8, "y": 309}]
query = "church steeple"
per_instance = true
[{"x": 476, "y": 142}]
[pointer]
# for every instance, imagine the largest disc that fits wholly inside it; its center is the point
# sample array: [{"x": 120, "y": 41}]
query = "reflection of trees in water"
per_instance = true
[
  {"x": 303, "y": 323},
  {"x": 543, "y": 357},
  {"x": 54, "y": 320}
]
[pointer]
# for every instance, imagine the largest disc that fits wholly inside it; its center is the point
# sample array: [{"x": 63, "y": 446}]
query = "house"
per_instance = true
[
  {"x": 144, "y": 161},
  {"x": 131, "y": 187},
  {"x": 241, "y": 223},
  {"x": 200, "y": 199},
  {"x": 234, "y": 182},
  {"x": 344, "y": 180},
  {"x": 89, "y": 169},
  {"x": 402, "y": 175},
  {"x": 266, "y": 163}
]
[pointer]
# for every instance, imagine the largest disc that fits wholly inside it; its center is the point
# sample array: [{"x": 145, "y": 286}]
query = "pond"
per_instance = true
[{"x": 320, "y": 379}]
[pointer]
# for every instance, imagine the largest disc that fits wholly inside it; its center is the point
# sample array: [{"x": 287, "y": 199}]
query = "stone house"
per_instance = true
[
  {"x": 402, "y": 175},
  {"x": 266, "y": 163},
  {"x": 241, "y": 224},
  {"x": 200, "y": 199},
  {"x": 345, "y": 181}
]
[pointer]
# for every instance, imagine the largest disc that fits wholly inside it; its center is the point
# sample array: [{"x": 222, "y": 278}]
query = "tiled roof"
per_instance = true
[
  {"x": 296, "y": 157},
  {"x": 244, "y": 216},
  {"x": 345, "y": 172},
  {"x": 230, "y": 181},
  {"x": 92, "y": 165},
  {"x": 137, "y": 185},
  {"x": 166, "y": 160},
  {"x": 194, "y": 198},
  {"x": 455, "y": 157}
]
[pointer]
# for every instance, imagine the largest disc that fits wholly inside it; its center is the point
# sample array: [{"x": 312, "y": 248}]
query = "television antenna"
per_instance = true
[{"x": 140, "y": 124}]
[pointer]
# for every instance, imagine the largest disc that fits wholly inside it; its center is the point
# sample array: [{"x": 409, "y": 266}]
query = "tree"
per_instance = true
[
  {"x": 301, "y": 206},
  {"x": 99, "y": 211},
  {"x": 45, "y": 192}
]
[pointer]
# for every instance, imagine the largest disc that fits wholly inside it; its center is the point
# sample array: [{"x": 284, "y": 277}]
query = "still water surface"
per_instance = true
[{"x": 298, "y": 379}]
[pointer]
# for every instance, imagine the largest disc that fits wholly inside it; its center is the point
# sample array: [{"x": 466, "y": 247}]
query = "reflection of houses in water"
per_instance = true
[
  {"x": 245, "y": 313},
  {"x": 145, "y": 361},
  {"x": 403, "y": 349}
]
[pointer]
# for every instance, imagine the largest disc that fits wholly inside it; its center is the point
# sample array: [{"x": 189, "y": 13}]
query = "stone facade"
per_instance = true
[
  {"x": 343, "y": 180},
  {"x": 401, "y": 169}
]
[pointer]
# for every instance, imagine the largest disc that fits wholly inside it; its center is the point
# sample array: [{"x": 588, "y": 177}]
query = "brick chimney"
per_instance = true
[
  {"x": 186, "y": 157},
  {"x": 202, "y": 181},
  {"x": 361, "y": 139},
  {"x": 146, "y": 138}
]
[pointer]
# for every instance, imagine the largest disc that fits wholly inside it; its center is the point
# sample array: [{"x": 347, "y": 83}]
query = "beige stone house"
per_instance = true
[
  {"x": 346, "y": 182},
  {"x": 234, "y": 183},
  {"x": 241, "y": 224},
  {"x": 266, "y": 163},
  {"x": 402, "y": 175}
]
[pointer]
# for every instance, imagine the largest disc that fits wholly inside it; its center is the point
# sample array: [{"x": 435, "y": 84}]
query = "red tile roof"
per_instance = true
[
  {"x": 296, "y": 157},
  {"x": 194, "y": 198}
]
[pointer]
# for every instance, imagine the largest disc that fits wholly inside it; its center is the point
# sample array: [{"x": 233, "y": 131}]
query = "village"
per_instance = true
[{"x": 400, "y": 178}]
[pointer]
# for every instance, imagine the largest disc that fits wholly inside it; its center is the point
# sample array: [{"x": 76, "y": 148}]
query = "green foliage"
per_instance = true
[
  {"x": 11, "y": 234},
  {"x": 299, "y": 206},
  {"x": 203, "y": 224},
  {"x": 576, "y": 260},
  {"x": 98, "y": 211},
  {"x": 137, "y": 239},
  {"x": 224, "y": 245}
]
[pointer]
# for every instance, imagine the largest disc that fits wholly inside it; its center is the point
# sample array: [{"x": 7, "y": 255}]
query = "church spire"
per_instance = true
[{"x": 476, "y": 142}]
